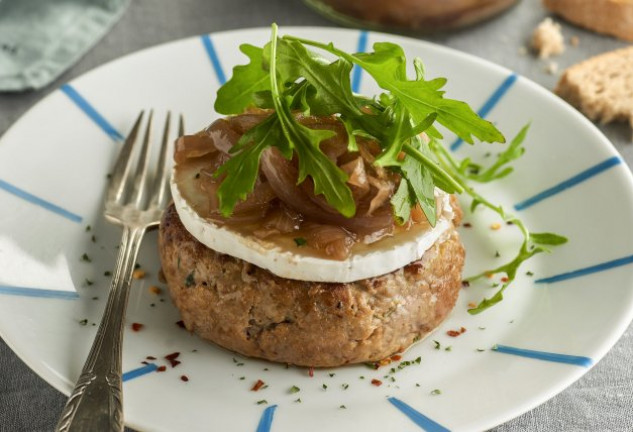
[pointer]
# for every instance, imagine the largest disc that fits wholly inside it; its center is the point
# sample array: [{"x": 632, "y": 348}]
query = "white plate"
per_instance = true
[{"x": 56, "y": 153}]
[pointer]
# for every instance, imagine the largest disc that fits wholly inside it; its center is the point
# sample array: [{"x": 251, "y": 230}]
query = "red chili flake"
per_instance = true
[
  {"x": 396, "y": 357},
  {"x": 259, "y": 384},
  {"x": 150, "y": 358},
  {"x": 161, "y": 368},
  {"x": 504, "y": 279},
  {"x": 137, "y": 326},
  {"x": 465, "y": 283},
  {"x": 184, "y": 378},
  {"x": 376, "y": 382},
  {"x": 467, "y": 225},
  {"x": 311, "y": 371},
  {"x": 172, "y": 359},
  {"x": 180, "y": 324},
  {"x": 455, "y": 333}
]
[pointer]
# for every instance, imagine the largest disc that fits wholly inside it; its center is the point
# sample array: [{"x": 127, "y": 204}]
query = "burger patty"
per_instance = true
[{"x": 251, "y": 311}]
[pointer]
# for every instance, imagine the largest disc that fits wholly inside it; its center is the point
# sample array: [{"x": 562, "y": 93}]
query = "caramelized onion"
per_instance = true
[
  {"x": 222, "y": 135},
  {"x": 193, "y": 146},
  {"x": 334, "y": 241},
  {"x": 280, "y": 220},
  {"x": 357, "y": 180},
  {"x": 282, "y": 176},
  {"x": 278, "y": 205},
  {"x": 384, "y": 191},
  {"x": 245, "y": 122}
]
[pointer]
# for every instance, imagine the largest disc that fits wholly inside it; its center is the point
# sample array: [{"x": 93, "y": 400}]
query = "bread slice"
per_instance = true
[
  {"x": 601, "y": 87},
  {"x": 612, "y": 17}
]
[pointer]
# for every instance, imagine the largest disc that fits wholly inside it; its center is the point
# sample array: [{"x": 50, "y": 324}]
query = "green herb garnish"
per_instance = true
[
  {"x": 287, "y": 77},
  {"x": 533, "y": 243}
]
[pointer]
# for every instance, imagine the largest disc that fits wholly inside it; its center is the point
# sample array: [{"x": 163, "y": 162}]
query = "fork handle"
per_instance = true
[{"x": 96, "y": 402}]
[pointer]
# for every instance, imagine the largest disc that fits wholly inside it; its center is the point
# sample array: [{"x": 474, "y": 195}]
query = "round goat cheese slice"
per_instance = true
[{"x": 382, "y": 257}]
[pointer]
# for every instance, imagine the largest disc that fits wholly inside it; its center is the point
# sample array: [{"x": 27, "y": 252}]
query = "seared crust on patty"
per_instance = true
[{"x": 249, "y": 310}]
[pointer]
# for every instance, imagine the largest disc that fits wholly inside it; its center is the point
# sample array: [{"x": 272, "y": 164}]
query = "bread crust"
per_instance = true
[
  {"x": 612, "y": 17},
  {"x": 249, "y": 310}
]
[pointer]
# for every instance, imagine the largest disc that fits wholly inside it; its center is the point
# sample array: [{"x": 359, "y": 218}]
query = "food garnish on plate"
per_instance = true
[{"x": 317, "y": 227}]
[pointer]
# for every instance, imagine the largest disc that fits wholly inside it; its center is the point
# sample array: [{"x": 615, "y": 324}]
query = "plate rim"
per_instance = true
[{"x": 625, "y": 178}]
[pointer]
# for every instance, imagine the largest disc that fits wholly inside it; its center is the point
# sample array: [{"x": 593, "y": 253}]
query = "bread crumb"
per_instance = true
[
  {"x": 574, "y": 41},
  {"x": 551, "y": 68},
  {"x": 547, "y": 39}
]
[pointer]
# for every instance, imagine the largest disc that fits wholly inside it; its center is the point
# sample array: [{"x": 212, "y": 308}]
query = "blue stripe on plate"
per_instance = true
[
  {"x": 213, "y": 56},
  {"x": 90, "y": 111},
  {"x": 587, "y": 270},
  {"x": 490, "y": 103},
  {"x": 417, "y": 417},
  {"x": 544, "y": 355},
  {"x": 21, "y": 193},
  {"x": 357, "y": 73},
  {"x": 135, "y": 373},
  {"x": 266, "y": 421},
  {"x": 38, "y": 292},
  {"x": 573, "y": 181}
]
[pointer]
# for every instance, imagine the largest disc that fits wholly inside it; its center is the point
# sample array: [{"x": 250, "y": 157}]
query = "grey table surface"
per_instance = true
[{"x": 600, "y": 401}]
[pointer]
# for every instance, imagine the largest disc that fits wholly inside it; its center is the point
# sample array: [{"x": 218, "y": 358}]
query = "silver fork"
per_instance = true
[{"x": 96, "y": 403}]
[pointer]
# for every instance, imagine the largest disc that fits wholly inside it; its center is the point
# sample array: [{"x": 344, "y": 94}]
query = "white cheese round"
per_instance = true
[{"x": 382, "y": 257}]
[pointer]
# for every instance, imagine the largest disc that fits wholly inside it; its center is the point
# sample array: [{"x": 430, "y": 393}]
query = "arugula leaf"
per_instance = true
[
  {"x": 237, "y": 94},
  {"x": 330, "y": 80},
  {"x": 549, "y": 239},
  {"x": 242, "y": 168},
  {"x": 529, "y": 246},
  {"x": 489, "y": 302},
  {"x": 352, "y": 145},
  {"x": 287, "y": 77},
  {"x": 387, "y": 65},
  {"x": 421, "y": 183},
  {"x": 400, "y": 131},
  {"x": 328, "y": 178},
  {"x": 441, "y": 177},
  {"x": 495, "y": 171},
  {"x": 402, "y": 203}
]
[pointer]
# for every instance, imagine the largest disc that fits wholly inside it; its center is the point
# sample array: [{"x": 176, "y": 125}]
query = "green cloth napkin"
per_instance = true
[{"x": 40, "y": 39}]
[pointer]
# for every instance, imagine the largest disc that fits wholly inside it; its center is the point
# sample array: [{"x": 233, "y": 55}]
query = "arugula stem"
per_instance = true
[{"x": 433, "y": 167}]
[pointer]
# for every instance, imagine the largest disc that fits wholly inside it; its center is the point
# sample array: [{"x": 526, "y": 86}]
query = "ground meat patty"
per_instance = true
[{"x": 249, "y": 310}]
